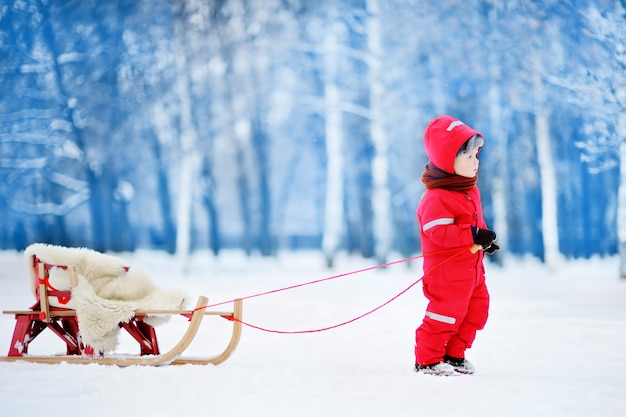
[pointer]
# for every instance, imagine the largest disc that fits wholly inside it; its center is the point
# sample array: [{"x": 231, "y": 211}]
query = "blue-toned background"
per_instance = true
[{"x": 274, "y": 125}]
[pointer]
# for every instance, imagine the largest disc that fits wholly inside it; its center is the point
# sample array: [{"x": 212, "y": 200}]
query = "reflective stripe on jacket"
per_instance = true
[{"x": 446, "y": 218}]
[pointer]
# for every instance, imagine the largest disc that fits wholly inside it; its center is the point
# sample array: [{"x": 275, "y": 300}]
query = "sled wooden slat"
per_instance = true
[
  {"x": 43, "y": 294},
  {"x": 72, "y": 313},
  {"x": 60, "y": 313},
  {"x": 181, "y": 312}
]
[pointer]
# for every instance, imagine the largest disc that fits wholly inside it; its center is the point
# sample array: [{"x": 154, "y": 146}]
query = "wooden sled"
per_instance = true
[{"x": 64, "y": 323}]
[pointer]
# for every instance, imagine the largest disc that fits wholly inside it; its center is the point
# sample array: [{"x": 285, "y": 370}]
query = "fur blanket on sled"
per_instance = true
[{"x": 107, "y": 292}]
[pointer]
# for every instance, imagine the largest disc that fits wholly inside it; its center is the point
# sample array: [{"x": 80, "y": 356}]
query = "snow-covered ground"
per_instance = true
[{"x": 555, "y": 345}]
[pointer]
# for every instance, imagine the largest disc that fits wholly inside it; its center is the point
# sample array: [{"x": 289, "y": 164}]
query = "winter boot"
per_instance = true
[
  {"x": 460, "y": 365},
  {"x": 439, "y": 368}
]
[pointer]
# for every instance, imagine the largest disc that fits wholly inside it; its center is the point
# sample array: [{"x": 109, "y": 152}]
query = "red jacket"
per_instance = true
[{"x": 445, "y": 218}]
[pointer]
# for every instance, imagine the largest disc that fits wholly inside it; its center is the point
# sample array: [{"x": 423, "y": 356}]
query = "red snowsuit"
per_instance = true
[{"x": 455, "y": 288}]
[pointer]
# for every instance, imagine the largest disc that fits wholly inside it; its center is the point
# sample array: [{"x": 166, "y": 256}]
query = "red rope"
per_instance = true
[
  {"x": 317, "y": 281},
  {"x": 458, "y": 252},
  {"x": 324, "y": 328}
]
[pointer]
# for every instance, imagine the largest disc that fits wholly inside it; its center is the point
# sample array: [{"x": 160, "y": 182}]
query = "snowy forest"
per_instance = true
[{"x": 280, "y": 125}]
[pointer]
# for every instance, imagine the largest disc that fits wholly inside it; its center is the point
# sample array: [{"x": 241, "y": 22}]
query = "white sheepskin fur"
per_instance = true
[{"x": 106, "y": 293}]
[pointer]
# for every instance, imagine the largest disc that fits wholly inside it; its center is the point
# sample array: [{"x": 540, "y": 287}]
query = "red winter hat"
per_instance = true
[{"x": 443, "y": 138}]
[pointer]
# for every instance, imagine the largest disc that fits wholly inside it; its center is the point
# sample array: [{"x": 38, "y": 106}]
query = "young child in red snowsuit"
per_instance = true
[{"x": 452, "y": 227}]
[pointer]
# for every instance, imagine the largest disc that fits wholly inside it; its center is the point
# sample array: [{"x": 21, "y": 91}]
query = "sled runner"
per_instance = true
[{"x": 97, "y": 288}]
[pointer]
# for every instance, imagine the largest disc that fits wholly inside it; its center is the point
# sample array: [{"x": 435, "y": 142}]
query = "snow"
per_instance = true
[{"x": 554, "y": 345}]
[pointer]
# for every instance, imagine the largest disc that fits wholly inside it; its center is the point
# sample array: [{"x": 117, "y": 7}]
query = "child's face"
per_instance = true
[{"x": 466, "y": 165}]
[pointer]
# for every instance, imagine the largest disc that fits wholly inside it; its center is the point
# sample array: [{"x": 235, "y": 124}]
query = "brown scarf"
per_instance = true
[{"x": 434, "y": 177}]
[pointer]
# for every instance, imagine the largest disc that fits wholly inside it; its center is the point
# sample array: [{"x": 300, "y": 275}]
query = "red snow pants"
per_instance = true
[{"x": 458, "y": 307}]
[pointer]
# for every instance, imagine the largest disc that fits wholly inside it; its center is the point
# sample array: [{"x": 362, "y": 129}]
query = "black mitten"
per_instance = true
[
  {"x": 484, "y": 237},
  {"x": 493, "y": 248}
]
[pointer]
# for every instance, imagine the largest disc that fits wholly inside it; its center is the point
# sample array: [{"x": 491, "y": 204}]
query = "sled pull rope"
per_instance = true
[{"x": 456, "y": 253}]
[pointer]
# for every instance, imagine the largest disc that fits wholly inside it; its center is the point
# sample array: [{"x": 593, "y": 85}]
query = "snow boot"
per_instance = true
[
  {"x": 439, "y": 369},
  {"x": 460, "y": 365}
]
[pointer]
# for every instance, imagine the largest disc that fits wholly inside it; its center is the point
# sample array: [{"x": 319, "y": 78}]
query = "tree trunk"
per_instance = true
[
  {"x": 333, "y": 212},
  {"x": 189, "y": 152},
  {"x": 621, "y": 205},
  {"x": 381, "y": 196},
  {"x": 498, "y": 147},
  {"x": 549, "y": 210}
]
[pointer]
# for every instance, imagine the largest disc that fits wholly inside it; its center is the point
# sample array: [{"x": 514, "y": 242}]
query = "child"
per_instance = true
[{"x": 451, "y": 221}]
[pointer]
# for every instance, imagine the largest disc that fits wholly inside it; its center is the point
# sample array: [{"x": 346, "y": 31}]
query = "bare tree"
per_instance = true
[
  {"x": 381, "y": 193},
  {"x": 334, "y": 208}
]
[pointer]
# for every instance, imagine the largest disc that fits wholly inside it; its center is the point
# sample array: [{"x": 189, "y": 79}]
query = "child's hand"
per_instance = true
[
  {"x": 484, "y": 237},
  {"x": 493, "y": 248}
]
